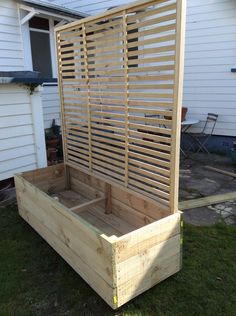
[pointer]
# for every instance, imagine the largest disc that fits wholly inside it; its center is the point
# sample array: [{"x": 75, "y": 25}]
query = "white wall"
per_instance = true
[
  {"x": 22, "y": 144},
  {"x": 11, "y": 52},
  {"x": 209, "y": 85},
  {"x": 17, "y": 145},
  {"x": 51, "y": 105}
]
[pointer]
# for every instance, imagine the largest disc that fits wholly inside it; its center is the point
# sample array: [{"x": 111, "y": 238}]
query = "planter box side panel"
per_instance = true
[
  {"x": 88, "y": 253},
  {"x": 50, "y": 179},
  {"x": 147, "y": 256},
  {"x": 130, "y": 207}
]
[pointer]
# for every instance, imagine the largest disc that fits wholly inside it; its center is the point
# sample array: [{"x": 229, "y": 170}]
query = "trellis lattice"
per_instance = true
[{"x": 120, "y": 76}]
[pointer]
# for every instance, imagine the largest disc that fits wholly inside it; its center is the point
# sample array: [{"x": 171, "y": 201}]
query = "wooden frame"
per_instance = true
[
  {"x": 120, "y": 254},
  {"x": 110, "y": 112},
  {"x": 111, "y": 209}
]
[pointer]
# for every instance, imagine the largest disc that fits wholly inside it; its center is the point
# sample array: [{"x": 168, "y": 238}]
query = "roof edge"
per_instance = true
[{"x": 53, "y": 8}]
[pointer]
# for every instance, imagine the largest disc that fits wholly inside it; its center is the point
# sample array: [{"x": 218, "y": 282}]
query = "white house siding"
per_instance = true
[
  {"x": 209, "y": 85},
  {"x": 17, "y": 145},
  {"x": 51, "y": 105},
  {"x": 11, "y": 51},
  {"x": 88, "y": 6}
]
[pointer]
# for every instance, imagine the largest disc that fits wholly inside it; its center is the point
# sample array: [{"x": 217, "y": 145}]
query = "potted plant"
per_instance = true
[{"x": 51, "y": 138}]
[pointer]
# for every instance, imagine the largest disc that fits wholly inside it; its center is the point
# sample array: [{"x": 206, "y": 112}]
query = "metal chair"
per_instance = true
[{"x": 202, "y": 138}]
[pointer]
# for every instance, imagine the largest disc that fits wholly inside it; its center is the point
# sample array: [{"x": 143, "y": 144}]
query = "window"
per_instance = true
[{"x": 40, "y": 46}]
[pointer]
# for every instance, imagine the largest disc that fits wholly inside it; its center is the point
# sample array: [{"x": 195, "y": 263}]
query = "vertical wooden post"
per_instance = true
[
  {"x": 63, "y": 121},
  {"x": 176, "y": 120},
  {"x": 108, "y": 205},
  {"x": 88, "y": 95},
  {"x": 126, "y": 82}
]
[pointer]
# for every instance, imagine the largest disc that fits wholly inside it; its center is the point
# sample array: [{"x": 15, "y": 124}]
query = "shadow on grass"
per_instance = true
[{"x": 34, "y": 280}]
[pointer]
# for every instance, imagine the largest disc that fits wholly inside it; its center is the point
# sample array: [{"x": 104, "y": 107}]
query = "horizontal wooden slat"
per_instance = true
[
  {"x": 151, "y": 120},
  {"x": 112, "y": 160},
  {"x": 151, "y": 144},
  {"x": 146, "y": 187},
  {"x": 156, "y": 138},
  {"x": 154, "y": 129},
  {"x": 156, "y": 30},
  {"x": 116, "y": 142},
  {"x": 119, "y": 112},
  {"x": 169, "y": 17},
  {"x": 156, "y": 169},
  {"x": 153, "y": 40},
  {"x": 107, "y": 170},
  {"x": 110, "y": 147},
  {"x": 152, "y": 160}
]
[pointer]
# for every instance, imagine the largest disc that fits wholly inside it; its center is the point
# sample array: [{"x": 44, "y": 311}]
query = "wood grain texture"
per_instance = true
[
  {"x": 120, "y": 76},
  {"x": 208, "y": 200},
  {"x": 119, "y": 67}
]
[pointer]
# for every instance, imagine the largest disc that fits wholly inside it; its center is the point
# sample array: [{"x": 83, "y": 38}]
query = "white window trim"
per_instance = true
[
  {"x": 28, "y": 64},
  {"x": 25, "y": 31}
]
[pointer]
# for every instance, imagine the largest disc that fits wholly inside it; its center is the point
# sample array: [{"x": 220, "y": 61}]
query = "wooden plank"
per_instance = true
[
  {"x": 142, "y": 239},
  {"x": 82, "y": 239},
  {"x": 152, "y": 160},
  {"x": 150, "y": 186},
  {"x": 152, "y": 21},
  {"x": 76, "y": 262},
  {"x": 50, "y": 179},
  {"x": 227, "y": 173},
  {"x": 150, "y": 152},
  {"x": 146, "y": 141},
  {"x": 88, "y": 96},
  {"x": 152, "y": 274},
  {"x": 176, "y": 126},
  {"x": 162, "y": 139},
  {"x": 126, "y": 82},
  {"x": 137, "y": 267},
  {"x": 155, "y": 129},
  {"x": 149, "y": 13},
  {"x": 113, "y": 221},
  {"x": 100, "y": 224},
  {"x": 154, "y": 50},
  {"x": 59, "y": 69},
  {"x": 115, "y": 92},
  {"x": 134, "y": 199},
  {"x": 82, "y": 207},
  {"x": 153, "y": 31},
  {"x": 168, "y": 58},
  {"x": 107, "y": 14},
  {"x": 130, "y": 215},
  {"x": 208, "y": 200},
  {"x": 108, "y": 201},
  {"x": 84, "y": 189}
]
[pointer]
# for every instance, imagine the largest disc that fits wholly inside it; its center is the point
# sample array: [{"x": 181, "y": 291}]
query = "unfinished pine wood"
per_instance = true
[
  {"x": 108, "y": 210},
  {"x": 86, "y": 205},
  {"x": 227, "y": 173},
  {"x": 120, "y": 254},
  {"x": 108, "y": 201},
  {"x": 208, "y": 200},
  {"x": 131, "y": 67}
]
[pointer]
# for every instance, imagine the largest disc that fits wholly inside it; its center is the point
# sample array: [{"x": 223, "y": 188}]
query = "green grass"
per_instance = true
[{"x": 34, "y": 280}]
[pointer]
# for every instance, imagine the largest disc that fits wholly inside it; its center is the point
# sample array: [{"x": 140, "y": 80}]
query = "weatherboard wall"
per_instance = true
[
  {"x": 11, "y": 48},
  {"x": 210, "y": 53}
]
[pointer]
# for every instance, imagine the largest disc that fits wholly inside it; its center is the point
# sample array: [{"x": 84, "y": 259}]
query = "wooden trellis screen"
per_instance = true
[{"x": 121, "y": 79}]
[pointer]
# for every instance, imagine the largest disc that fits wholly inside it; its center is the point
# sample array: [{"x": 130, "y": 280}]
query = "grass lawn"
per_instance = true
[{"x": 34, "y": 280}]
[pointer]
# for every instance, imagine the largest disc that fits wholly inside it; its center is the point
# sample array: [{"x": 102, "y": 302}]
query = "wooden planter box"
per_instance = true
[
  {"x": 111, "y": 211},
  {"x": 120, "y": 254}
]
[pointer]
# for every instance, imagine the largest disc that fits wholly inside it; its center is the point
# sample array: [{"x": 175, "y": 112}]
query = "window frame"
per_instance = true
[{"x": 25, "y": 30}]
